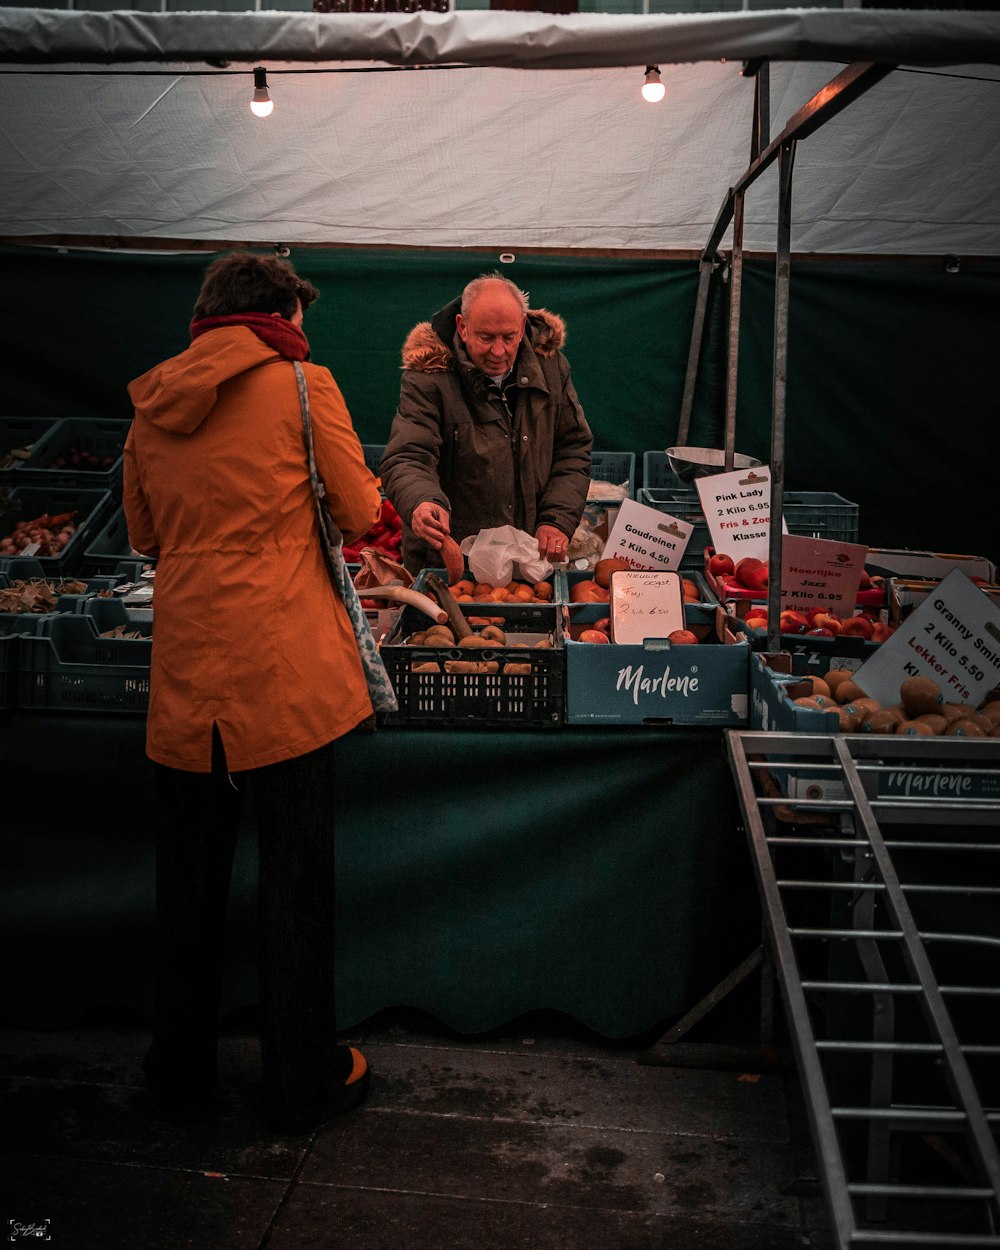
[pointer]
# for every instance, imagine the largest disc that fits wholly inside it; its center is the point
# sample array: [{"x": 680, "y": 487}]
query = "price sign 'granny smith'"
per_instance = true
[{"x": 953, "y": 637}]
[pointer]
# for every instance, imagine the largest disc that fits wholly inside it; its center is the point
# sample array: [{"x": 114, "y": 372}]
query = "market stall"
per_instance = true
[{"x": 122, "y": 124}]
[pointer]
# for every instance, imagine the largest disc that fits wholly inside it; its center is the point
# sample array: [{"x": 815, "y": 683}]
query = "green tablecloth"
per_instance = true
[{"x": 481, "y": 875}]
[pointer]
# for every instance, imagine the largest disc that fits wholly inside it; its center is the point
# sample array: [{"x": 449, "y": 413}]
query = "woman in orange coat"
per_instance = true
[{"x": 255, "y": 674}]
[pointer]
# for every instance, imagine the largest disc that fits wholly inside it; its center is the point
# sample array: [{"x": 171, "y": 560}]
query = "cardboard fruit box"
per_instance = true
[
  {"x": 907, "y": 593},
  {"x": 901, "y": 562},
  {"x": 656, "y": 683}
]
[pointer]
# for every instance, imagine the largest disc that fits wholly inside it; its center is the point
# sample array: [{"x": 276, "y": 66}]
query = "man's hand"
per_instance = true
[
  {"x": 553, "y": 545},
  {"x": 430, "y": 523}
]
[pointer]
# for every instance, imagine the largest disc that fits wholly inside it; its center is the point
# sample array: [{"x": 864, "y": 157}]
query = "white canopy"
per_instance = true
[{"x": 116, "y": 126}]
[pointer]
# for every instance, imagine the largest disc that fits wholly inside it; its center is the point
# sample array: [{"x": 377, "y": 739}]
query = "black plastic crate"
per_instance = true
[
  {"x": 27, "y": 502},
  {"x": 105, "y": 438},
  {"x": 657, "y": 473},
  {"x": 8, "y": 669},
  {"x": 70, "y": 667},
  {"x": 373, "y": 455},
  {"x": 813, "y": 513},
  {"x": 616, "y": 467},
  {"x": 109, "y": 546},
  {"x": 535, "y": 698},
  {"x": 20, "y": 434},
  {"x": 12, "y": 626}
]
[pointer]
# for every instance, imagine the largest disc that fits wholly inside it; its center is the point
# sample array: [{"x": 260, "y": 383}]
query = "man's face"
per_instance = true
[{"x": 492, "y": 331}]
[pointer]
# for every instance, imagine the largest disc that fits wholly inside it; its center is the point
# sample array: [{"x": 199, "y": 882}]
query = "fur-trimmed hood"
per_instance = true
[{"x": 428, "y": 346}]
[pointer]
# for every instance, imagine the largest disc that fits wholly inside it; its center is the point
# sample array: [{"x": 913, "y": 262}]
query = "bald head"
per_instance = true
[
  {"x": 491, "y": 323},
  {"x": 496, "y": 286}
]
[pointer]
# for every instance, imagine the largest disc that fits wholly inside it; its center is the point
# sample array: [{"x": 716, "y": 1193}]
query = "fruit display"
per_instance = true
[
  {"x": 487, "y": 638},
  {"x": 466, "y": 590},
  {"x": 596, "y": 589},
  {"x": 24, "y": 596},
  {"x": 81, "y": 458},
  {"x": 821, "y": 623},
  {"x": 11, "y": 456},
  {"x": 385, "y": 535},
  {"x": 50, "y": 533},
  {"x": 749, "y": 579},
  {"x": 920, "y": 712}
]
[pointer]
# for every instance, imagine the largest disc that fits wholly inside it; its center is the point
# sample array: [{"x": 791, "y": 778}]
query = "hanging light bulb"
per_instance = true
[
  {"x": 262, "y": 105},
  {"x": 653, "y": 89}
]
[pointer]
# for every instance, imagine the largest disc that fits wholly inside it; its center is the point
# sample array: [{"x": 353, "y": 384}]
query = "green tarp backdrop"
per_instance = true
[{"x": 891, "y": 401}]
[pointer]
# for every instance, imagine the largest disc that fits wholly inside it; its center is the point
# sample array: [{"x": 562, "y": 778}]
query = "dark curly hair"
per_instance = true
[{"x": 244, "y": 283}]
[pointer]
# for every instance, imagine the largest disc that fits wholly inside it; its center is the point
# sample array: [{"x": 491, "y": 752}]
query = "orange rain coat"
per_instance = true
[{"x": 248, "y": 632}]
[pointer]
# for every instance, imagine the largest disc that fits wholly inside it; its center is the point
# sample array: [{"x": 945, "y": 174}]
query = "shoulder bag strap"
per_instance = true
[{"x": 380, "y": 690}]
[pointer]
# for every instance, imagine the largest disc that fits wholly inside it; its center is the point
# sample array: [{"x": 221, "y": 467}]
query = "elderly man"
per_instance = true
[{"x": 489, "y": 430}]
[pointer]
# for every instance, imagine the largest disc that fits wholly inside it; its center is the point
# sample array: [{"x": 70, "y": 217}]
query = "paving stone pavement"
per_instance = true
[{"x": 536, "y": 1137}]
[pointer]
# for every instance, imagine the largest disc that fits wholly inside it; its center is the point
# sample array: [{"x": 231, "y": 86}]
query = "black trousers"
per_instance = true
[{"x": 198, "y": 818}]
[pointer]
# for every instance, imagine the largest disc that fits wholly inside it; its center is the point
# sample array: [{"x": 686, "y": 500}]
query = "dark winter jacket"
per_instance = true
[{"x": 454, "y": 442}]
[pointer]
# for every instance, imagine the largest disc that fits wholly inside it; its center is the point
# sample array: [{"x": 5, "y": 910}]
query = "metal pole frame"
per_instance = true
[{"x": 830, "y": 100}]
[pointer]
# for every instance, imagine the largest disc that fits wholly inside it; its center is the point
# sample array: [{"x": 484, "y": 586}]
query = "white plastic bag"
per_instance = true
[{"x": 496, "y": 555}]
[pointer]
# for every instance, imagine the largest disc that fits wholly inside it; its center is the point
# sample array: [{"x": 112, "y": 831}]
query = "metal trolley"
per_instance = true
[{"x": 878, "y": 862}]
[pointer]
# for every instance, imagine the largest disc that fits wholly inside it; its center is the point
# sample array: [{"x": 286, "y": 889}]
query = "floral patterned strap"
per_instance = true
[{"x": 380, "y": 690}]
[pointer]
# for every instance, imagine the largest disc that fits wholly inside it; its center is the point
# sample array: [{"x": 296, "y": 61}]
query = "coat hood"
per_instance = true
[
  {"x": 179, "y": 393},
  {"x": 428, "y": 346}
]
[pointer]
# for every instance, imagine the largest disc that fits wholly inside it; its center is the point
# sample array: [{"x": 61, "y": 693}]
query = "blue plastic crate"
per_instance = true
[
  {"x": 104, "y": 438},
  {"x": 616, "y": 467}
]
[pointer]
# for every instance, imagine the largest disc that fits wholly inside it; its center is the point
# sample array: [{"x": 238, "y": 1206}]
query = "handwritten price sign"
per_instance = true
[{"x": 953, "y": 637}]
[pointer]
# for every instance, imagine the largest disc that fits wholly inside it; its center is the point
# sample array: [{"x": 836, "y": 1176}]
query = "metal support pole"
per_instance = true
[
  {"x": 759, "y": 133},
  {"x": 694, "y": 351},
  {"x": 782, "y": 269},
  {"x": 733, "y": 360}
]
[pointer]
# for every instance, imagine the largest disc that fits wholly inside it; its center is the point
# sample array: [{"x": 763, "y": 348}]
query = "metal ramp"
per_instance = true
[{"x": 878, "y": 863}]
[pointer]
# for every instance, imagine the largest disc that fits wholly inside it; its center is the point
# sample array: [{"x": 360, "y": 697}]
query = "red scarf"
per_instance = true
[{"x": 286, "y": 339}]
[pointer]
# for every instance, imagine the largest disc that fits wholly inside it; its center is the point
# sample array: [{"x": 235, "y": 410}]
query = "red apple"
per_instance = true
[
  {"x": 594, "y": 635},
  {"x": 792, "y": 622},
  {"x": 856, "y": 627},
  {"x": 866, "y": 582},
  {"x": 820, "y": 633},
  {"x": 721, "y": 566},
  {"x": 604, "y": 625},
  {"x": 881, "y": 631},
  {"x": 681, "y": 637},
  {"x": 748, "y": 570},
  {"x": 826, "y": 620}
]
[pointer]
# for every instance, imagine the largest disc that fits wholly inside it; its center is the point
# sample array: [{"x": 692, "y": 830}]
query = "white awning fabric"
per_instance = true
[{"x": 523, "y": 130}]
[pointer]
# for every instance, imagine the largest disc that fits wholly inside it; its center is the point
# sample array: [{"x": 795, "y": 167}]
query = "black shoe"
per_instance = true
[{"x": 348, "y": 1095}]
